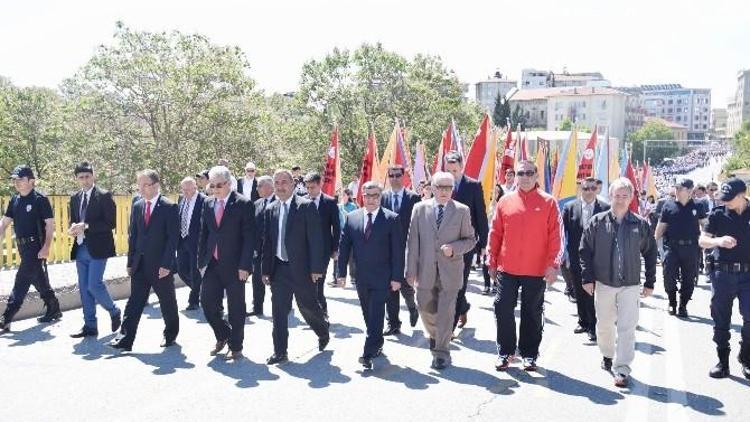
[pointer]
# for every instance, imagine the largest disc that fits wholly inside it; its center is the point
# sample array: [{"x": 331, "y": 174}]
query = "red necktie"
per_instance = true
[
  {"x": 147, "y": 216},
  {"x": 219, "y": 216},
  {"x": 368, "y": 227}
]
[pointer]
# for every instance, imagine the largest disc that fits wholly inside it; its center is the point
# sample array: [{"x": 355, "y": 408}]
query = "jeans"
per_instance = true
[{"x": 91, "y": 286}]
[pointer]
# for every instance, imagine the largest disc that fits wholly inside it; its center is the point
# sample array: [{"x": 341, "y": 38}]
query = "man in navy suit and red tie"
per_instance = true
[
  {"x": 225, "y": 258},
  {"x": 373, "y": 236},
  {"x": 152, "y": 244}
]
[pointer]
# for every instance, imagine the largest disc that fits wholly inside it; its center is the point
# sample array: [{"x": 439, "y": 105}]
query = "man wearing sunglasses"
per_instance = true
[
  {"x": 401, "y": 201},
  {"x": 576, "y": 216},
  {"x": 524, "y": 249},
  {"x": 248, "y": 185}
]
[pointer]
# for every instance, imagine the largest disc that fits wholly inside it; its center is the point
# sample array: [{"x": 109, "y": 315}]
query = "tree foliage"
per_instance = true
[{"x": 656, "y": 152}]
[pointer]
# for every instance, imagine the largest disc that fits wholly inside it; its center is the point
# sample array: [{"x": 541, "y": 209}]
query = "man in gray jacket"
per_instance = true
[{"x": 611, "y": 264}]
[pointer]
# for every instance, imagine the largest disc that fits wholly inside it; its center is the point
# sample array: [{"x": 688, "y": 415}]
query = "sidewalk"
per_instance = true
[{"x": 64, "y": 280}]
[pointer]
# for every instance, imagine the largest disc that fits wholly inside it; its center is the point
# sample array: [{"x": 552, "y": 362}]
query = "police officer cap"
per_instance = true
[
  {"x": 22, "y": 171},
  {"x": 684, "y": 183},
  {"x": 84, "y": 167},
  {"x": 731, "y": 188}
]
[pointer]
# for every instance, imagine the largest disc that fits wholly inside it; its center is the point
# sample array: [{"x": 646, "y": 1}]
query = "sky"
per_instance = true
[{"x": 699, "y": 44}]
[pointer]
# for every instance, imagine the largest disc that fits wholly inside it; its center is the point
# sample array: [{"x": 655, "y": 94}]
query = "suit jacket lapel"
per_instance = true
[
  {"x": 448, "y": 213},
  {"x": 431, "y": 215}
]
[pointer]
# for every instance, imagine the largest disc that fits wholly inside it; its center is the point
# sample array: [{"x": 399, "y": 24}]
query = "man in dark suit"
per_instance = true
[
  {"x": 401, "y": 201},
  {"x": 92, "y": 219},
  {"x": 152, "y": 244},
  {"x": 293, "y": 262},
  {"x": 248, "y": 185},
  {"x": 265, "y": 190},
  {"x": 468, "y": 192},
  {"x": 225, "y": 258},
  {"x": 576, "y": 216},
  {"x": 190, "y": 204},
  {"x": 330, "y": 223},
  {"x": 373, "y": 236}
]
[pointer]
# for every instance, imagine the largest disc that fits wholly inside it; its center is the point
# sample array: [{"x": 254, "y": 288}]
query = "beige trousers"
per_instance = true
[
  {"x": 437, "y": 307},
  {"x": 616, "y": 321}
]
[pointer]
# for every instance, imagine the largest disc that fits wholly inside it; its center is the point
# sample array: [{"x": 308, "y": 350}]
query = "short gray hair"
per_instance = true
[
  {"x": 442, "y": 175},
  {"x": 621, "y": 183},
  {"x": 220, "y": 171},
  {"x": 262, "y": 180},
  {"x": 372, "y": 185}
]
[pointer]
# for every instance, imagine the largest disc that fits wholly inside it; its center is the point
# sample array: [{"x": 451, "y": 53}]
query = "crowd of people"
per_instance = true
[{"x": 280, "y": 232}]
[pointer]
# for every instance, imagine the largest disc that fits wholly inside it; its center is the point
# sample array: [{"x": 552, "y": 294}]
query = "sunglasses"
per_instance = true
[
  {"x": 527, "y": 173},
  {"x": 250, "y": 170},
  {"x": 217, "y": 185},
  {"x": 588, "y": 188},
  {"x": 395, "y": 176},
  {"x": 444, "y": 188}
]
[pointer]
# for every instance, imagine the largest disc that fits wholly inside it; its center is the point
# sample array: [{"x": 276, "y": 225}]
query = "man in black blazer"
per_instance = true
[
  {"x": 373, "y": 235},
  {"x": 265, "y": 190},
  {"x": 330, "y": 223},
  {"x": 152, "y": 244},
  {"x": 468, "y": 192},
  {"x": 293, "y": 262},
  {"x": 248, "y": 185},
  {"x": 576, "y": 215},
  {"x": 225, "y": 258},
  {"x": 401, "y": 201},
  {"x": 190, "y": 204},
  {"x": 92, "y": 219}
]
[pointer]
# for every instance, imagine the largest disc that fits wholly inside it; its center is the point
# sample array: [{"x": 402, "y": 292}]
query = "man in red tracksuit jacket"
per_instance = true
[{"x": 525, "y": 249}]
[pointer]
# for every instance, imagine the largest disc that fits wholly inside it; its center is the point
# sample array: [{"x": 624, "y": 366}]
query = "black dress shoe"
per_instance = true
[
  {"x": 439, "y": 364},
  {"x": 254, "y": 313},
  {"x": 277, "y": 359},
  {"x": 366, "y": 362},
  {"x": 413, "y": 317},
  {"x": 121, "y": 345},
  {"x": 116, "y": 321},
  {"x": 672, "y": 310},
  {"x": 580, "y": 329},
  {"x": 592, "y": 336},
  {"x": 721, "y": 370},
  {"x": 50, "y": 317},
  {"x": 167, "y": 343},
  {"x": 606, "y": 364},
  {"x": 85, "y": 332},
  {"x": 392, "y": 331},
  {"x": 192, "y": 307},
  {"x": 682, "y": 312},
  {"x": 323, "y": 342},
  {"x": 486, "y": 291}
]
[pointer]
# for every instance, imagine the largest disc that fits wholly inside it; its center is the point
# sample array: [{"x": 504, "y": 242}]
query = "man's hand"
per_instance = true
[
  {"x": 266, "y": 280},
  {"x": 726, "y": 242},
  {"x": 243, "y": 275},
  {"x": 412, "y": 280},
  {"x": 163, "y": 272},
  {"x": 447, "y": 250},
  {"x": 341, "y": 281},
  {"x": 550, "y": 276},
  {"x": 335, "y": 255},
  {"x": 76, "y": 229},
  {"x": 395, "y": 285},
  {"x": 646, "y": 292},
  {"x": 43, "y": 253},
  {"x": 589, "y": 288},
  {"x": 315, "y": 277}
]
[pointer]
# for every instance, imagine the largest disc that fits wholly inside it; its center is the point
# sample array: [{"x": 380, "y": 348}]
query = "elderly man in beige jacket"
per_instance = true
[{"x": 439, "y": 235}]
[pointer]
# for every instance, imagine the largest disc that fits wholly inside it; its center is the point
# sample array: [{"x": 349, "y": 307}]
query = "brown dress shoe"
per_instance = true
[
  {"x": 233, "y": 355},
  {"x": 220, "y": 345},
  {"x": 462, "y": 320}
]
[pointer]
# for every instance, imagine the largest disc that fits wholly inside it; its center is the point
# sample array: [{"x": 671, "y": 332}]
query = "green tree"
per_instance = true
[
  {"x": 566, "y": 124},
  {"x": 657, "y": 151},
  {"x": 740, "y": 158},
  {"x": 501, "y": 112},
  {"x": 518, "y": 118}
]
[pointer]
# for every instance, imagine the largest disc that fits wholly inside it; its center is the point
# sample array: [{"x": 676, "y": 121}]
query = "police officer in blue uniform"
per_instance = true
[
  {"x": 33, "y": 223},
  {"x": 728, "y": 232},
  {"x": 680, "y": 222}
]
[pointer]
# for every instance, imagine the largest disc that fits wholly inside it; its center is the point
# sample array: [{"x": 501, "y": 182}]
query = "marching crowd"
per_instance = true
[{"x": 281, "y": 233}]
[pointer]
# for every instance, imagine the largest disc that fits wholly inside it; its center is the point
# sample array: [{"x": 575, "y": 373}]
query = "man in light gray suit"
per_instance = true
[{"x": 439, "y": 235}]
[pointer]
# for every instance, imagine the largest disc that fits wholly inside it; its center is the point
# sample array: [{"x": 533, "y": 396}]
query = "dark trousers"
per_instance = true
[
  {"x": 285, "y": 284},
  {"x": 320, "y": 289},
  {"x": 532, "y": 318},
  {"x": 584, "y": 301},
  {"x": 372, "y": 302},
  {"x": 462, "y": 305},
  {"x": 216, "y": 281},
  {"x": 567, "y": 276},
  {"x": 681, "y": 266},
  {"x": 30, "y": 273},
  {"x": 187, "y": 268},
  {"x": 140, "y": 287},
  {"x": 259, "y": 289},
  {"x": 393, "y": 303},
  {"x": 725, "y": 287}
]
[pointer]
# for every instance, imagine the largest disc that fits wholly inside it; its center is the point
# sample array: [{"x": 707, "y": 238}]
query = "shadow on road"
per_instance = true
[
  {"x": 649, "y": 348},
  {"x": 469, "y": 376},
  {"x": 167, "y": 362},
  {"x": 410, "y": 378},
  {"x": 247, "y": 373},
  {"x": 318, "y": 371},
  {"x": 29, "y": 336},
  {"x": 563, "y": 384},
  {"x": 90, "y": 348},
  {"x": 698, "y": 402}
]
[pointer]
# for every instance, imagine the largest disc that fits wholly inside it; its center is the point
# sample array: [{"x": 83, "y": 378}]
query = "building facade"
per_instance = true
[
  {"x": 689, "y": 107},
  {"x": 488, "y": 91},
  {"x": 719, "y": 118},
  {"x": 738, "y": 109},
  {"x": 537, "y": 79}
]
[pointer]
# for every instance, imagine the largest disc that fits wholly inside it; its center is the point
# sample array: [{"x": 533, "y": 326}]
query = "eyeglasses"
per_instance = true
[
  {"x": 588, "y": 188},
  {"x": 217, "y": 185},
  {"x": 713, "y": 190},
  {"x": 249, "y": 170},
  {"x": 371, "y": 195},
  {"x": 395, "y": 176},
  {"x": 527, "y": 173},
  {"x": 444, "y": 188},
  {"x": 146, "y": 185}
]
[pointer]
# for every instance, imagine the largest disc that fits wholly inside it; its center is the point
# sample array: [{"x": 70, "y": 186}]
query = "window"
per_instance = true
[
  {"x": 604, "y": 104},
  {"x": 679, "y": 119},
  {"x": 704, "y": 126},
  {"x": 669, "y": 110},
  {"x": 669, "y": 102},
  {"x": 541, "y": 113}
]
